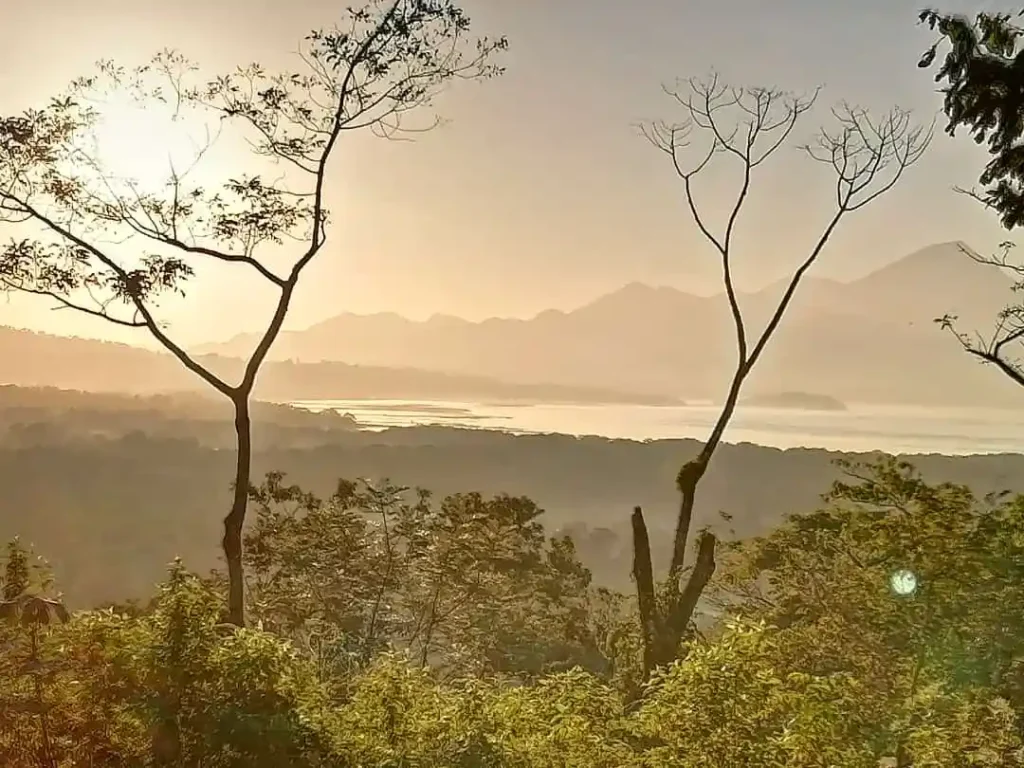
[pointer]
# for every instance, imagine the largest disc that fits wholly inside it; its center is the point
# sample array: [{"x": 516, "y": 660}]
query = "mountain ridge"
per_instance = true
[
  {"x": 89, "y": 365},
  {"x": 870, "y": 339},
  {"x": 642, "y": 290}
]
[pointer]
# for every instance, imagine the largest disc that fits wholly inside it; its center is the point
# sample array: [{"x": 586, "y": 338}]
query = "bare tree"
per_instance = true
[
  {"x": 747, "y": 126},
  {"x": 108, "y": 248},
  {"x": 1002, "y": 346}
]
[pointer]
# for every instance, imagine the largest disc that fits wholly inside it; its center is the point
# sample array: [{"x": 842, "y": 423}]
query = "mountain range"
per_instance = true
[
  {"x": 29, "y": 359},
  {"x": 868, "y": 340}
]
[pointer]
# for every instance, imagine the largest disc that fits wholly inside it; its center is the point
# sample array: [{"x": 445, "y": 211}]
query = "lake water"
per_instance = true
[{"x": 895, "y": 429}]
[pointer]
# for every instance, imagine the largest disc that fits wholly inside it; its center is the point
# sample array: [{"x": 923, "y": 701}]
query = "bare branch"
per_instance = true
[
  {"x": 1008, "y": 330},
  {"x": 748, "y": 126},
  {"x": 869, "y": 156},
  {"x": 762, "y": 118}
]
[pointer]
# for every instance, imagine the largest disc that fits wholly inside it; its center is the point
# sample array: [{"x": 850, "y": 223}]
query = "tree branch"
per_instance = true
[
  {"x": 859, "y": 153},
  {"x": 150, "y": 323}
]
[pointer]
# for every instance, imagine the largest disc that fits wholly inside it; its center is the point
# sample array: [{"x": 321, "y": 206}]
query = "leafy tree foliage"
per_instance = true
[
  {"x": 820, "y": 657},
  {"x": 172, "y": 688},
  {"x": 982, "y": 76},
  {"x": 983, "y": 83},
  {"x": 471, "y": 585},
  {"x": 943, "y": 655}
]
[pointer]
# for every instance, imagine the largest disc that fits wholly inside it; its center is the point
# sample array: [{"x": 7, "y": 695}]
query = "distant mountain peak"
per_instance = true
[
  {"x": 946, "y": 260},
  {"x": 440, "y": 318},
  {"x": 636, "y": 294}
]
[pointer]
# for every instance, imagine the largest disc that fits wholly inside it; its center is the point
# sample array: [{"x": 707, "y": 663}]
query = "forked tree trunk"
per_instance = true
[
  {"x": 665, "y": 619},
  {"x": 235, "y": 520},
  {"x": 664, "y": 622}
]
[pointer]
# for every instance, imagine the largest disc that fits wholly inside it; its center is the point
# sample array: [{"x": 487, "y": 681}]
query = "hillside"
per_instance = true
[
  {"x": 870, "y": 340},
  {"x": 112, "y": 490},
  {"x": 47, "y": 415},
  {"x": 39, "y": 360}
]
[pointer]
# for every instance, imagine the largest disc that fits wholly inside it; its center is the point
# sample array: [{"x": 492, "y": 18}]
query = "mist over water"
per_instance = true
[{"x": 860, "y": 428}]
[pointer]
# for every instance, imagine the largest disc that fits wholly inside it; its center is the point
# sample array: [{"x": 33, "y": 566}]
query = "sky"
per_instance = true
[{"x": 538, "y": 191}]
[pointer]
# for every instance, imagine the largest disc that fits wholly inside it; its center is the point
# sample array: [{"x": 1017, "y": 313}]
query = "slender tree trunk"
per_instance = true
[
  {"x": 429, "y": 636},
  {"x": 647, "y": 601},
  {"x": 235, "y": 521},
  {"x": 371, "y": 632},
  {"x": 664, "y": 624}
]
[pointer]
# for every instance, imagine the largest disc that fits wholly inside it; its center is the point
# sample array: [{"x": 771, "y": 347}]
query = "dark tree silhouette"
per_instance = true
[
  {"x": 983, "y": 86},
  {"x": 108, "y": 248},
  {"x": 982, "y": 77},
  {"x": 747, "y": 126}
]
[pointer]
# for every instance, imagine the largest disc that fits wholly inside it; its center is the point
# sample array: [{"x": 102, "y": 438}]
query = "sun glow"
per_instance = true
[{"x": 148, "y": 145}]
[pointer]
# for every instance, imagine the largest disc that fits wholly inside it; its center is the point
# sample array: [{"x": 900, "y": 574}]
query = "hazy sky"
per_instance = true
[{"x": 539, "y": 193}]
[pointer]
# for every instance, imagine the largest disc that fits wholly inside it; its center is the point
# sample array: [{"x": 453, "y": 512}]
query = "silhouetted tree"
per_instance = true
[
  {"x": 387, "y": 59},
  {"x": 748, "y": 125},
  {"x": 983, "y": 86}
]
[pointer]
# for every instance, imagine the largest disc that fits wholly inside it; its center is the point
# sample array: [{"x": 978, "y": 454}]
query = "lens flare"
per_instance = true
[{"x": 903, "y": 582}]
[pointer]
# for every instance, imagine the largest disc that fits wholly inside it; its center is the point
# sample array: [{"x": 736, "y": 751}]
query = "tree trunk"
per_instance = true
[
  {"x": 664, "y": 624},
  {"x": 235, "y": 520},
  {"x": 647, "y": 599}
]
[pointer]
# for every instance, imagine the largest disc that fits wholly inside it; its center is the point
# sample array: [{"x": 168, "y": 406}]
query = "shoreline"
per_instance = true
[{"x": 896, "y": 430}]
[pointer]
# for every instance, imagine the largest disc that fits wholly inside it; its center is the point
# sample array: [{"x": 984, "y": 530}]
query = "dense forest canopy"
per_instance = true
[{"x": 483, "y": 642}]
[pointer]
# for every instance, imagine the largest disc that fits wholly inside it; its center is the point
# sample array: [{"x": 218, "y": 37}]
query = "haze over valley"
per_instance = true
[
  {"x": 475, "y": 384},
  {"x": 887, "y": 361},
  {"x": 870, "y": 341}
]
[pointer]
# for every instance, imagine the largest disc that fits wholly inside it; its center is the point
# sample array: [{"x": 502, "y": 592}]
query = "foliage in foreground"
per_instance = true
[{"x": 814, "y": 662}]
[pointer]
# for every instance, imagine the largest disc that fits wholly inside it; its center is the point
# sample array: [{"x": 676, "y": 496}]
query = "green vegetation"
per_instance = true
[
  {"x": 482, "y": 642},
  {"x": 112, "y": 488}
]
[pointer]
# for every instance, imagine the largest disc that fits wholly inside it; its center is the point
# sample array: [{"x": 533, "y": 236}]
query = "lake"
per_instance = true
[{"x": 895, "y": 429}]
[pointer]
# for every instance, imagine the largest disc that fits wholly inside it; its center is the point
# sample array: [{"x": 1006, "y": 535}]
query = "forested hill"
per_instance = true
[
  {"x": 112, "y": 507},
  {"x": 95, "y": 366}
]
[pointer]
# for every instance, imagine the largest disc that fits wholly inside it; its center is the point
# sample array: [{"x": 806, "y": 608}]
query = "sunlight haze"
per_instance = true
[
  {"x": 538, "y": 193},
  {"x": 504, "y": 383}
]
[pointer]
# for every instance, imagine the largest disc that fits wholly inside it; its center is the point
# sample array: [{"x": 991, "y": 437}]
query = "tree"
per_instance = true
[
  {"x": 26, "y": 613},
  {"x": 169, "y": 688},
  {"x": 732, "y": 702},
  {"x": 983, "y": 86},
  {"x": 937, "y": 653},
  {"x": 468, "y": 584},
  {"x": 387, "y": 60},
  {"x": 748, "y": 125},
  {"x": 817, "y": 659}
]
